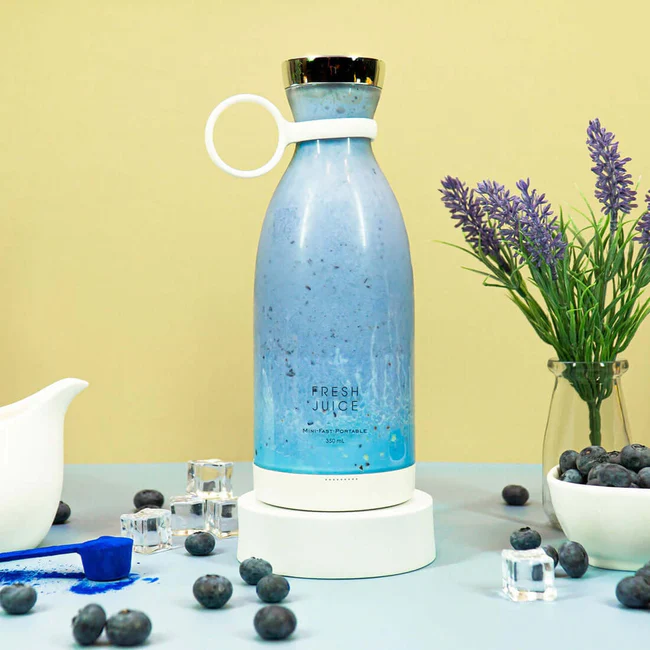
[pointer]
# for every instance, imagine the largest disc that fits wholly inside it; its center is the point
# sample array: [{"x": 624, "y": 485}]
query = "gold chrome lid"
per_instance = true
[{"x": 333, "y": 69}]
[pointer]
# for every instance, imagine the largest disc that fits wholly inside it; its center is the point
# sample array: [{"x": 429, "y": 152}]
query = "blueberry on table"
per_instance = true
[
  {"x": 573, "y": 476},
  {"x": 644, "y": 478},
  {"x": 573, "y": 559},
  {"x": 88, "y": 624},
  {"x": 148, "y": 498},
  {"x": 644, "y": 572},
  {"x": 568, "y": 460},
  {"x": 635, "y": 457},
  {"x": 633, "y": 592},
  {"x": 552, "y": 553},
  {"x": 589, "y": 457},
  {"x": 613, "y": 475},
  {"x": 128, "y": 628},
  {"x": 515, "y": 495},
  {"x": 62, "y": 514},
  {"x": 273, "y": 589},
  {"x": 212, "y": 591},
  {"x": 254, "y": 569},
  {"x": 525, "y": 539},
  {"x": 201, "y": 543},
  {"x": 17, "y": 598},
  {"x": 274, "y": 622}
]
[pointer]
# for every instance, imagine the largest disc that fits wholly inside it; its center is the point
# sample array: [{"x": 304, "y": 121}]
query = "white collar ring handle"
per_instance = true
[{"x": 288, "y": 132}]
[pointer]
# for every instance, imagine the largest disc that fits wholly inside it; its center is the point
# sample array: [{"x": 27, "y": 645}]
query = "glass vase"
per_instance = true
[{"x": 587, "y": 408}]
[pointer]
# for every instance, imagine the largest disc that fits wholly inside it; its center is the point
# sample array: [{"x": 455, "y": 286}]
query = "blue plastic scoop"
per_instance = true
[{"x": 104, "y": 559}]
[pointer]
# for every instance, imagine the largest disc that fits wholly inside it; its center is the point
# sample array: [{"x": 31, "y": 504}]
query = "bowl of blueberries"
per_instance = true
[{"x": 602, "y": 500}]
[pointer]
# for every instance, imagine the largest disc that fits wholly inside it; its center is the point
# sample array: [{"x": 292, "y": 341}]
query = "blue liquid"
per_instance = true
[{"x": 333, "y": 306}]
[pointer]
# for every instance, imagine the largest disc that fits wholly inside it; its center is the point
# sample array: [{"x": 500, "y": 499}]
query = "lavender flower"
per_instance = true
[
  {"x": 501, "y": 207},
  {"x": 541, "y": 235},
  {"x": 614, "y": 187},
  {"x": 643, "y": 227},
  {"x": 470, "y": 218},
  {"x": 525, "y": 222}
]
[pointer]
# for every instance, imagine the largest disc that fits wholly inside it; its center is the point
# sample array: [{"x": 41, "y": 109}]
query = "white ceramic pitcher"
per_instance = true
[{"x": 31, "y": 463}]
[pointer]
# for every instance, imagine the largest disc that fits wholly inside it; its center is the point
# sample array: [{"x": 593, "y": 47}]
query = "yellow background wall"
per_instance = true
[{"x": 126, "y": 257}]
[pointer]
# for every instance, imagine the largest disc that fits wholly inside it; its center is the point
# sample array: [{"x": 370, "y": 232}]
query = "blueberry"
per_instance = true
[
  {"x": 644, "y": 478},
  {"x": 62, "y": 514},
  {"x": 595, "y": 482},
  {"x": 614, "y": 457},
  {"x": 645, "y": 457},
  {"x": 254, "y": 569},
  {"x": 128, "y": 628},
  {"x": 524, "y": 539},
  {"x": 212, "y": 591},
  {"x": 568, "y": 460},
  {"x": 148, "y": 498},
  {"x": 594, "y": 472},
  {"x": 634, "y": 485},
  {"x": 635, "y": 457},
  {"x": 17, "y": 598},
  {"x": 200, "y": 543},
  {"x": 88, "y": 624},
  {"x": 573, "y": 476},
  {"x": 274, "y": 622},
  {"x": 589, "y": 457},
  {"x": 613, "y": 475},
  {"x": 552, "y": 553},
  {"x": 644, "y": 572},
  {"x": 573, "y": 559},
  {"x": 537, "y": 573},
  {"x": 272, "y": 589},
  {"x": 515, "y": 495},
  {"x": 634, "y": 592}
]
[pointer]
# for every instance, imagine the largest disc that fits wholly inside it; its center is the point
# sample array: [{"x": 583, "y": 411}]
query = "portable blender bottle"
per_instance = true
[{"x": 333, "y": 347}]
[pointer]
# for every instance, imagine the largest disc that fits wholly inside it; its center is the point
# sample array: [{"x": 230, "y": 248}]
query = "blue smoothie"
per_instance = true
[{"x": 333, "y": 306}]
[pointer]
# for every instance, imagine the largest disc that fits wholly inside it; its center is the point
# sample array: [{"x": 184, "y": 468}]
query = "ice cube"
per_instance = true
[
  {"x": 150, "y": 529},
  {"x": 222, "y": 517},
  {"x": 528, "y": 575},
  {"x": 210, "y": 479},
  {"x": 188, "y": 514}
]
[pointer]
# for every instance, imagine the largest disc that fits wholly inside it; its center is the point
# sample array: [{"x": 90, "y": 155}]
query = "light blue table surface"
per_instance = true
[{"x": 453, "y": 603}]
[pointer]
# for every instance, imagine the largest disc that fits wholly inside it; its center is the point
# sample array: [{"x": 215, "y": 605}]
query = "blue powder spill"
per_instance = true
[
  {"x": 88, "y": 587},
  {"x": 80, "y": 586},
  {"x": 36, "y": 575}
]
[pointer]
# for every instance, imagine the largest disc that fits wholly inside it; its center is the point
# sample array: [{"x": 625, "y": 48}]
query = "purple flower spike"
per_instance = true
[
  {"x": 643, "y": 227},
  {"x": 470, "y": 218},
  {"x": 502, "y": 207},
  {"x": 614, "y": 187},
  {"x": 542, "y": 238},
  {"x": 525, "y": 222}
]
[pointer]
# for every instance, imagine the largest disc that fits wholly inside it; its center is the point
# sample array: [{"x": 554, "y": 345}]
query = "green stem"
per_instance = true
[{"x": 594, "y": 422}]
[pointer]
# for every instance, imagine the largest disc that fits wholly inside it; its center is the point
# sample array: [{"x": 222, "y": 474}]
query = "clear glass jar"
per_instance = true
[{"x": 587, "y": 408}]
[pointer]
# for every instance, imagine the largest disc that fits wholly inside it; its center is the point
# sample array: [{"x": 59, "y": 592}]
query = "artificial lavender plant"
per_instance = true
[{"x": 581, "y": 288}]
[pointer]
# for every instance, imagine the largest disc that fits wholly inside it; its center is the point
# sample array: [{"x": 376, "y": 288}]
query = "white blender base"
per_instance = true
[
  {"x": 334, "y": 492},
  {"x": 365, "y": 544}
]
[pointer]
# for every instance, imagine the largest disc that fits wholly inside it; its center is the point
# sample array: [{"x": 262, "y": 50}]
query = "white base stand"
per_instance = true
[
  {"x": 334, "y": 492},
  {"x": 362, "y": 544}
]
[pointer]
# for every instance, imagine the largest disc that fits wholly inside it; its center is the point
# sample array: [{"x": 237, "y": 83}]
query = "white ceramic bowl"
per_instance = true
[{"x": 613, "y": 524}]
